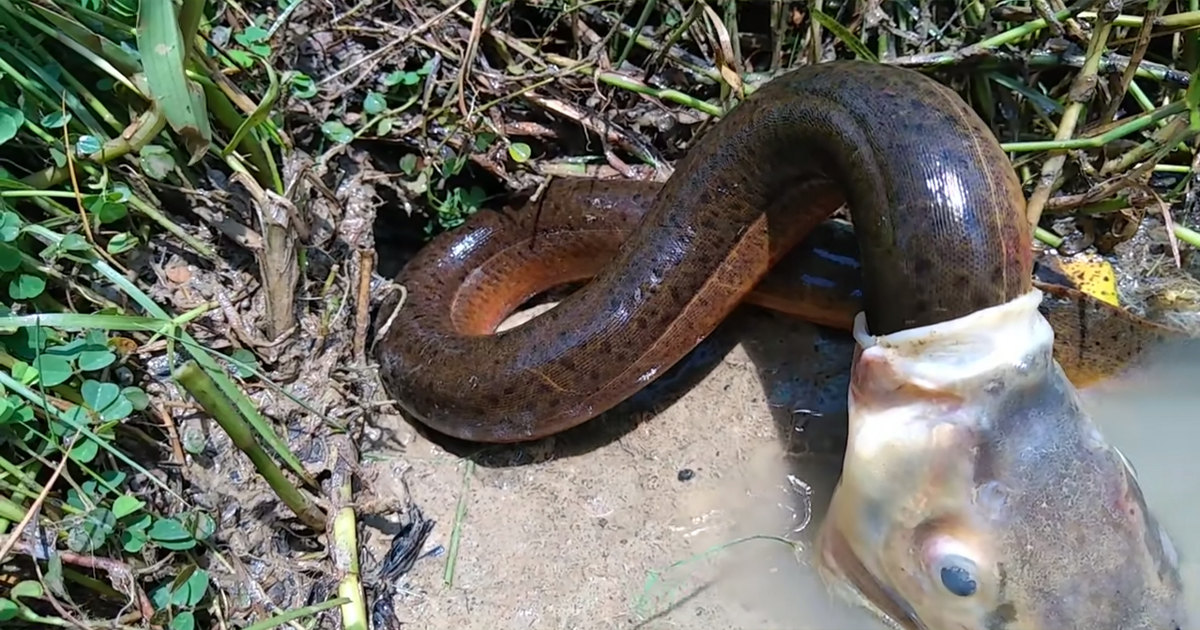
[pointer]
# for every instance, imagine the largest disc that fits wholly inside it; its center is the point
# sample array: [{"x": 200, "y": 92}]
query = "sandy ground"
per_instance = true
[
  {"x": 581, "y": 530},
  {"x": 744, "y": 438}
]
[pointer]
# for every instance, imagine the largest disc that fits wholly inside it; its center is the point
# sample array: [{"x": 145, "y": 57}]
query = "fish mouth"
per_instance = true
[{"x": 840, "y": 567}]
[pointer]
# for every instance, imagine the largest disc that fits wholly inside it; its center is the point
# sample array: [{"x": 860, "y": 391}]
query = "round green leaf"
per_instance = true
[
  {"x": 53, "y": 370},
  {"x": 141, "y": 523},
  {"x": 86, "y": 449},
  {"x": 519, "y": 151},
  {"x": 408, "y": 163},
  {"x": 74, "y": 243},
  {"x": 197, "y": 587},
  {"x": 374, "y": 103},
  {"x": 251, "y": 35},
  {"x": 133, "y": 540},
  {"x": 170, "y": 534},
  {"x": 393, "y": 78},
  {"x": 112, "y": 478},
  {"x": 24, "y": 373},
  {"x": 181, "y": 545},
  {"x": 484, "y": 139},
  {"x": 10, "y": 226},
  {"x": 110, "y": 212},
  {"x": 156, "y": 161},
  {"x": 119, "y": 193},
  {"x": 337, "y": 132},
  {"x": 92, "y": 360},
  {"x": 87, "y": 145},
  {"x": 185, "y": 620},
  {"x": 244, "y": 362},
  {"x": 90, "y": 488},
  {"x": 193, "y": 441},
  {"x": 8, "y": 609},
  {"x": 161, "y": 597},
  {"x": 136, "y": 397},
  {"x": 126, "y": 504},
  {"x": 119, "y": 410},
  {"x": 76, "y": 416},
  {"x": 96, "y": 527},
  {"x": 201, "y": 525},
  {"x": 122, "y": 242},
  {"x": 24, "y": 412},
  {"x": 10, "y": 122},
  {"x": 27, "y": 342},
  {"x": 240, "y": 57},
  {"x": 75, "y": 501},
  {"x": 26, "y": 287},
  {"x": 56, "y": 119},
  {"x": 99, "y": 395},
  {"x": 27, "y": 588},
  {"x": 303, "y": 86}
]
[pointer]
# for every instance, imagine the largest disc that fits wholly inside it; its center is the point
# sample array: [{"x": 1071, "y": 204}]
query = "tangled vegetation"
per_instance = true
[{"x": 200, "y": 202}]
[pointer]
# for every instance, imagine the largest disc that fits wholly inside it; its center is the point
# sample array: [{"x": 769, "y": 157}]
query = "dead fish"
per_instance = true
[{"x": 976, "y": 493}]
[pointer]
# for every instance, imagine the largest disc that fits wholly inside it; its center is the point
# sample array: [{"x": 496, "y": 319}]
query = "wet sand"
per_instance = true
[{"x": 743, "y": 439}]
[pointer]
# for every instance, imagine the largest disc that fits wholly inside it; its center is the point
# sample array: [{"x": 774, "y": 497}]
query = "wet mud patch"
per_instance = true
[{"x": 743, "y": 438}]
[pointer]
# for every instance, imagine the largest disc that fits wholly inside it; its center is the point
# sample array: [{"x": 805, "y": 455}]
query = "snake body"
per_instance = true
[{"x": 937, "y": 211}]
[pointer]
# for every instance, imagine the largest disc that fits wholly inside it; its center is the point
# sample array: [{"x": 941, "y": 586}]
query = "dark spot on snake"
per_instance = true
[
  {"x": 997, "y": 275},
  {"x": 983, "y": 299}
]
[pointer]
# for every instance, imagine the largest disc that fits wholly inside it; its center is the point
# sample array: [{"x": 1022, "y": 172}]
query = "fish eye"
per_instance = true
[{"x": 958, "y": 575}]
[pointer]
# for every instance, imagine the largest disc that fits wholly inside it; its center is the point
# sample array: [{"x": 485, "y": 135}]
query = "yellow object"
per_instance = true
[{"x": 1093, "y": 275}]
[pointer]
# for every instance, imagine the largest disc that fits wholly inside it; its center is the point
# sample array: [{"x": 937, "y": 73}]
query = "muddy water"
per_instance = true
[{"x": 1152, "y": 417}]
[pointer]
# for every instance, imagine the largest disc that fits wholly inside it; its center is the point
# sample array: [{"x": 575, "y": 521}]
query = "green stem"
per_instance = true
[
  {"x": 200, "y": 385},
  {"x": 1116, "y": 133}
]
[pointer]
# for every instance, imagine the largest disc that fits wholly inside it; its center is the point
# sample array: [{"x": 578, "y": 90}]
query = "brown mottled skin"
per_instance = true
[
  {"x": 576, "y": 226},
  {"x": 937, "y": 213},
  {"x": 940, "y": 225}
]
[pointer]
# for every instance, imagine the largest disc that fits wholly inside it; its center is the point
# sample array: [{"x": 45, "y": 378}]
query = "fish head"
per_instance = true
[{"x": 977, "y": 494}]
